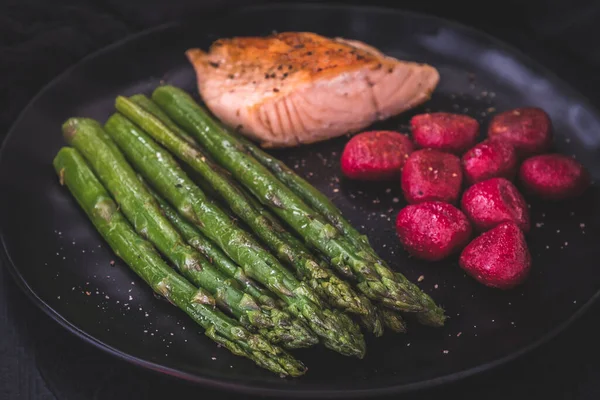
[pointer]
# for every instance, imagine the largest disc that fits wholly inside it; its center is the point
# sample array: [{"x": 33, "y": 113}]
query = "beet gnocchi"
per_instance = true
[
  {"x": 498, "y": 258},
  {"x": 453, "y": 133},
  {"x": 554, "y": 176},
  {"x": 376, "y": 155},
  {"x": 528, "y": 129},
  {"x": 490, "y": 159},
  {"x": 492, "y": 202},
  {"x": 431, "y": 227},
  {"x": 431, "y": 175},
  {"x": 432, "y": 230}
]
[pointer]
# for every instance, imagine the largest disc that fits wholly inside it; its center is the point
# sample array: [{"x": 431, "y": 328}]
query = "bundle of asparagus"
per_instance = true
[
  {"x": 344, "y": 247},
  {"x": 143, "y": 259},
  {"x": 220, "y": 226},
  {"x": 141, "y": 208},
  {"x": 287, "y": 248}
]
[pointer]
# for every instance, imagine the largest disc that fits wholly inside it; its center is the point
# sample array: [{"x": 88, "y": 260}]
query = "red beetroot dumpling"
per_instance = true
[
  {"x": 492, "y": 202},
  {"x": 453, "y": 133},
  {"x": 375, "y": 155},
  {"x": 491, "y": 158},
  {"x": 432, "y": 230},
  {"x": 528, "y": 129},
  {"x": 554, "y": 176},
  {"x": 431, "y": 175},
  {"x": 498, "y": 258}
]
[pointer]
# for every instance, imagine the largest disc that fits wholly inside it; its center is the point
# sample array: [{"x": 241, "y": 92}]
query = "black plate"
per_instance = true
[{"x": 62, "y": 263}]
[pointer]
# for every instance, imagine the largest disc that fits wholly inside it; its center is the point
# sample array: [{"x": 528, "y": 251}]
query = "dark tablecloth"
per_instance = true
[{"x": 39, "y": 39}]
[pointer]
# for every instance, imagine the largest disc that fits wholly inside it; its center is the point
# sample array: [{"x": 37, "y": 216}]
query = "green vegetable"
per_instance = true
[
  {"x": 143, "y": 259},
  {"x": 393, "y": 320},
  {"x": 198, "y": 241},
  {"x": 376, "y": 280},
  {"x": 433, "y": 314},
  {"x": 161, "y": 170},
  {"x": 142, "y": 210},
  {"x": 372, "y": 320},
  {"x": 150, "y": 106},
  {"x": 286, "y": 247}
]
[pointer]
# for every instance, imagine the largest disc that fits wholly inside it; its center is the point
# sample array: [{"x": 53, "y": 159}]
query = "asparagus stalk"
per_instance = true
[
  {"x": 286, "y": 246},
  {"x": 373, "y": 321},
  {"x": 318, "y": 276},
  {"x": 161, "y": 170},
  {"x": 150, "y": 106},
  {"x": 143, "y": 259},
  {"x": 311, "y": 195},
  {"x": 434, "y": 315},
  {"x": 375, "y": 280},
  {"x": 198, "y": 241},
  {"x": 141, "y": 209}
]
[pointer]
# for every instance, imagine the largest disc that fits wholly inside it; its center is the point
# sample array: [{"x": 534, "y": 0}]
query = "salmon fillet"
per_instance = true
[{"x": 298, "y": 87}]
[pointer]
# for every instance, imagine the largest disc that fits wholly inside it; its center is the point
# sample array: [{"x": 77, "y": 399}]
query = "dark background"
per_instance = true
[{"x": 39, "y": 39}]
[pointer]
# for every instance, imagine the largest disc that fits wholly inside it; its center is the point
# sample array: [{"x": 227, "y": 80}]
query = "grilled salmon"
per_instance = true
[{"x": 298, "y": 87}]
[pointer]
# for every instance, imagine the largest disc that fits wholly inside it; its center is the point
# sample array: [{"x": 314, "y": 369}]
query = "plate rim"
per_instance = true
[{"x": 254, "y": 389}]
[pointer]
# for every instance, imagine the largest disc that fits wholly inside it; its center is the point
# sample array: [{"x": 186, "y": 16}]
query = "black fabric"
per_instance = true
[{"x": 41, "y": 38}]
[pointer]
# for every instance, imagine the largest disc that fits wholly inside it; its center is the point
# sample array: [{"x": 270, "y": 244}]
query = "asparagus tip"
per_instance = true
[
  {"x": 69, "y": 129},
  {"x": 434, "y": 317},
  {"x": 345, "y": 338}
]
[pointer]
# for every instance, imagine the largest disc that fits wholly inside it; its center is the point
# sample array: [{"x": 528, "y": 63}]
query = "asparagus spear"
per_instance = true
[
  {"x": 150, "y": 106},
  {"x": 198, "y": 241},
  {"x": 141, "y": 209},
  {"x": 434, "y": 315},
  {"x": 373, "y": 321},
  {"x": 143, "y": 259},
  {"x": 286, "y": 246},
  {"x": 161, "y": 170},
  {"x": 311, "y": 195},
  {"x": 375, "y": 280},
  {"x": 319, "y": 277}
]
